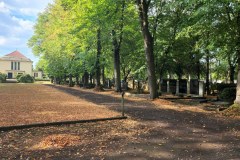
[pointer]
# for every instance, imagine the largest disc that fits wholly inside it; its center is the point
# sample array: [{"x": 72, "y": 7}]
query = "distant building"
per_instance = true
[
  {"x": 16, "y": 63},
  {"x": 38, "y": 74}
]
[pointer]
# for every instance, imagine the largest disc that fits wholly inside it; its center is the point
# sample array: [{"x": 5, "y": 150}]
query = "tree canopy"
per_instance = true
[{"x": 142, "y": 40}]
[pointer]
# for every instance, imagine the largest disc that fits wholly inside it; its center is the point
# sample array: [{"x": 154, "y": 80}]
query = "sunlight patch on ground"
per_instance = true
[
  {"x": 56, "y": 141},
  {"x": 46, "y": 113},
  {"x": 211, "y": 146}
]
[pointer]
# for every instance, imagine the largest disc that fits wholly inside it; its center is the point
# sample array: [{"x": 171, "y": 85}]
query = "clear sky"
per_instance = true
[{"x": 17, "y": 18}]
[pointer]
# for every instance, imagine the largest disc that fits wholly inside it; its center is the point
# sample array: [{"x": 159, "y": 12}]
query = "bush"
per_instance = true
[
  {"x": 3, "y": 78},
  {"x": 228, "y": 94},
  {"x": 18, "y": 77},
  {"x": 222, "y": 86},
  {"x": 39, "y": 79},
  {"x": 26, "y": 78}
]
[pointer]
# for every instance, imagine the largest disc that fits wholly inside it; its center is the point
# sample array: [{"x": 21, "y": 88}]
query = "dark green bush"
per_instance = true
[
  {"x": 222, "y": 86},
  {"x": 228, "y": 94},
  {"x": 26, "y": 78},
  {"x": 3, "y": 78}
]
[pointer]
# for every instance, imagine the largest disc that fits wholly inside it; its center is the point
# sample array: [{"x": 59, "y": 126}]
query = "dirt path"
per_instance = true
[
  {"x": 31, "y": 103},
  {"x": 151, "y": 132}
]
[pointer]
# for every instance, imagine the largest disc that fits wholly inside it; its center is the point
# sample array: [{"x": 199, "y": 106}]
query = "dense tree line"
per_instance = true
[{"x": 141, "y": 39}]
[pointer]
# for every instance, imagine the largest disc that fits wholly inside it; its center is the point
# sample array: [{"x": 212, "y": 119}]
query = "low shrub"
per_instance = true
[
  {"x": 18, "y": 77},
  {"x": 26, "y": 78},
  {"x": 3, "y": 78},
  {"x": 39, "y": 79},
  {"x": 228, "y": 94}
]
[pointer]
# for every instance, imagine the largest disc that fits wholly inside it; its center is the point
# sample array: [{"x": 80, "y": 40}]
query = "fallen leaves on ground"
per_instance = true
[{"x": 57, "y": 141}]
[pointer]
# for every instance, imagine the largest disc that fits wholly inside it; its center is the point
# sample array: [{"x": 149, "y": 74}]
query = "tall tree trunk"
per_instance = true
[
  {"x": 70, "y": 81},
  {"x": 116, "y": 50},
  {"x": 126, "y": 75},
  {"x": 77, "y": 80},
  {"x": 207, "y": 72},
  {"x": 103, "y": 75},
  {"x": 91, "y": 78},
  {"x": 232, "y": 73},
  {"x": 198, "y": 70},
  {"x": 237, "y": 100},
  {"x": 85, "y": 79},
  {"x": 133, "y": 82},
  {"x": 98, "y": 69},
  {"x": 143, "y": 6}
]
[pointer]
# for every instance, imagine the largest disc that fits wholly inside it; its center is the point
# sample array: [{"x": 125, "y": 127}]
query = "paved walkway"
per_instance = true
[{"x": 11, "y": 80}]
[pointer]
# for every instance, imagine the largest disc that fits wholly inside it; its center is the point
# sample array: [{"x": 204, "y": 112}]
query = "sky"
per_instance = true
[{"x": 17, "y": 19}]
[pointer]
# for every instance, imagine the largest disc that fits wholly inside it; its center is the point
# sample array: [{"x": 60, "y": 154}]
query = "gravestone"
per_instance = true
[
  {"x": 201, "y": 89},
  {"x": 183, "y": 86},
  {"x": 194, "y": 86},
  {"x": 164, "y": 85},
  {"x": 172, "y": 86}
]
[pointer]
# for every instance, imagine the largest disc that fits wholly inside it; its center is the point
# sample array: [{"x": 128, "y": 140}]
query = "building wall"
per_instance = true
[
  {"x": 25, "y": 68},
  {"x": 38, "y": 74},
  {"x": 5, "y": 65}
]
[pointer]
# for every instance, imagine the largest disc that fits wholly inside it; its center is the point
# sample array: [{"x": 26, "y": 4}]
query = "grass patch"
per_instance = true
[{"x": 42, "y": 82}]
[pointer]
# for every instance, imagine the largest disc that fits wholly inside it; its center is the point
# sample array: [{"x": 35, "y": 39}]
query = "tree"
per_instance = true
[{"x": 143, "y": 10}]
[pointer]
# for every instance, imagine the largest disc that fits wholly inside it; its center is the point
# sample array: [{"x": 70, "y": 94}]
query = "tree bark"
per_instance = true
[
  {"x": 198, "y": 70},
  {"x": 207, "y": 72},
  {"x": 85, "y": 79},
  {"x": 133, "y": 81},
  {"x": 77, "y": 80},
  {"x": 143, "y": 6},
  {"x": 70, "y": 81},
  {"x": 98, "y": 69},
  {"x": 103, "y": 75},
  {"x": 65, "y": 79},
  {"x": 116, "y": 50},
  {"x": 232, "y": 73},
  {"x": 237, "y": 100}
]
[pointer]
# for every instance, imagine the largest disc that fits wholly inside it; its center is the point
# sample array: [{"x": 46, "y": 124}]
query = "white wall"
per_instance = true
[{"x": 25, "y": 68}]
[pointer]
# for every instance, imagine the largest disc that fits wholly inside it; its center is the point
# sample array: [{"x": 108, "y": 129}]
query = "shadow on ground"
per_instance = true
[{"x": 172, "y": 134}]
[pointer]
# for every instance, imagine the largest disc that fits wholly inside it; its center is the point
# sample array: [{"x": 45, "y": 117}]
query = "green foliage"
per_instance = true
[
  {"x": 222, "y": 86},
  {"x": 184, "y": 33},
  {"x": 228, "y": 94},
  {"x": 26, "y": 78},
  {"x": 39, "y": 79},
  {"x": 3, "y": 78},
  {"x": 18, "y": 77}
]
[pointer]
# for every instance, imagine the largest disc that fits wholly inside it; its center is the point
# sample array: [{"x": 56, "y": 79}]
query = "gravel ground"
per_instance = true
[
  {"x": 157, "y": 129},
  {"x": 31, "y": 103}
]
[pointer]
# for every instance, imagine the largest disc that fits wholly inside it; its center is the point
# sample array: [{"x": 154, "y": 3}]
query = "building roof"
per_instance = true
[{"x": 15, "y": 56}]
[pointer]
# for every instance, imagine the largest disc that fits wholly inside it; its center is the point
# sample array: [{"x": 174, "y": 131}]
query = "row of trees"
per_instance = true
[{"x": 144, "y": 39}]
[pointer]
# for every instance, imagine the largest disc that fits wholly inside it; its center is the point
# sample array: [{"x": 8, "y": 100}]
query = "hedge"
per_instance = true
[
  {"x": 228, "y": 94},
  {"x": 3, "y": 78},
  {"x": 26, "y": 78}
]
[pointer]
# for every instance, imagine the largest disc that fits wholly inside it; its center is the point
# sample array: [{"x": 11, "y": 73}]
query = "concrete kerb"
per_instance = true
[{"x": 19, "y": 127}]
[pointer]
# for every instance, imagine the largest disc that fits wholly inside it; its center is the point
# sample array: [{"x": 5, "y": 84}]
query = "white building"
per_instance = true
[{"x": 15, "y": 63}]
